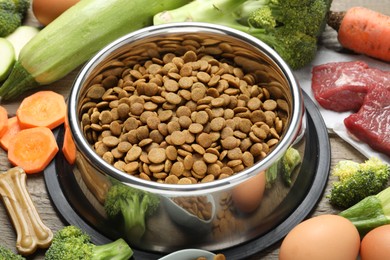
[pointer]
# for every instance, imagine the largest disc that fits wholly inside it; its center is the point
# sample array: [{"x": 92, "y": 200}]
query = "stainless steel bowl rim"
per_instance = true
[{"x": 186, "y": 27}]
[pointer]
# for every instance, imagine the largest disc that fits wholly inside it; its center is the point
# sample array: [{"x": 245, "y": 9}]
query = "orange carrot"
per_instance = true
[
  {"x": 13, "y": 129},
  {"x": 32, "y": 149},
  {"x": 43, "y": 108},
  {"x": 3, "y": 120},
  {"x": 69, "y": 147},
  {"x": 363, "y": 31}
]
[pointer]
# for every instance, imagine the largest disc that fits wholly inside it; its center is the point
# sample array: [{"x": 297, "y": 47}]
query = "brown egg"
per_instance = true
[
  {"x": 47, "y": 10},
  {"x": 247, "y": 196},
  {"x": 376, "y": 244},
  {"x": 322, "y": 238}
]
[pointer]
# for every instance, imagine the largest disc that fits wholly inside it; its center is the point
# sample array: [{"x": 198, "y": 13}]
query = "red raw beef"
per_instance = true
[
  {"x": 342, "y": 86},
  {"x": 371, "y": 124}
]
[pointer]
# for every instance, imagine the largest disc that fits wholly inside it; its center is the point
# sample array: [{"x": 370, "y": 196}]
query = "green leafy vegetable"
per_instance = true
[
  {"x": 12, "y": 13},
  {"x": 357, "y": 181},
  {"x": 7, "y": 254},
  {"x": 131, "y": 206},
  {"x": 291, "y": 27},
  {"x": 371, "y": 212},
  {"x": 71, "y": 242}
]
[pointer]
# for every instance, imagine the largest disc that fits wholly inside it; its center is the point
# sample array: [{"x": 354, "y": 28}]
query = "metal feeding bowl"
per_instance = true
[{"x": 196, "y": 118}]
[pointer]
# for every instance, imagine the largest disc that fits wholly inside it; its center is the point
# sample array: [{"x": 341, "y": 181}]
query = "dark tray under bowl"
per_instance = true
[{"x": 76, "y": 210}]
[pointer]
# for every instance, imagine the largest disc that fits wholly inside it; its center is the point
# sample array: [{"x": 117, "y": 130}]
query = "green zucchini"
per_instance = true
[
  {"x": 7, "y": 54},
  {"x": 76, "y": 36}
]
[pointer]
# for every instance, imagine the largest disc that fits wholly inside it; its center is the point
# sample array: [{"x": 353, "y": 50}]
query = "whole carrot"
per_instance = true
[{"x": 364, "y": 31}]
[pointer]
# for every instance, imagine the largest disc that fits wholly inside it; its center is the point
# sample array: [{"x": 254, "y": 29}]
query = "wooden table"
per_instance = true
[{"x": 36, "y": 185}]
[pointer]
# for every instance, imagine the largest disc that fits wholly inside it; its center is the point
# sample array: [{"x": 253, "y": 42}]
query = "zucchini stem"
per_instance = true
[{"x": 19, "y": 81}]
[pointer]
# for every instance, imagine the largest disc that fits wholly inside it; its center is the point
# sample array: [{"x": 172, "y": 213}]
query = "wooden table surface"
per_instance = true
[{"x": 36, "y": 185}]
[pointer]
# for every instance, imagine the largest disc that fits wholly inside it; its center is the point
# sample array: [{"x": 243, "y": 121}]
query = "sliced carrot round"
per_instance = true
[
  {"x": 13, "y": 129},
  {"x": 3, "y": 120},
  {"x": 32, "y": 149},
  {"x": 69, "y": 147},
  {"x": 43, "y": 108}
]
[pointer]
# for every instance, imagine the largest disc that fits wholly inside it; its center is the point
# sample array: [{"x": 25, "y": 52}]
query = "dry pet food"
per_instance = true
[{"x": 183, "y": 111}]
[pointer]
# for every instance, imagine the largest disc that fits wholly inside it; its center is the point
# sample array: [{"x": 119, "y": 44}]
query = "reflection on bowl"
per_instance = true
[{"x": 193, "y": 212}]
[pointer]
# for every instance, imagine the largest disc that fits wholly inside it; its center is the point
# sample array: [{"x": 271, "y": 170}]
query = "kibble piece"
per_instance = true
[
  {"x": 199, "y": 167},
  {"x": 115, "y": 128},
  {"x": 123, "y": 110},
  {"x": 203, "y": 77},
  {"x": 229, "y": 143},
  {"x": 247, "y": 159},
  {"x": 111, "y": 141},
  {"x": 185, "y": 82},
  {"x": 210, "y": 158},
  {"x": 96, "y": 91},
  {"x": 195, "y": 128},
  {"x": 171, "y": 85},
  {"x": 178, "y": 138},
  {"x": 201, "y": 117},
  {"x": 173, "y": 98},
  {"x": 153, "y": 122},
  {"x": 254, "y": 103},
  {"x": 131, "y": 167},
  {"x": 235, "y": 154},
  {"x": 188, "y": 162},
  {"x": 270, "y": 105},
  {"x": 204, "y": 140},
  {"x": 134, "y": 153},
  {"x": 185, "y": 181},
  {"x": 171, "y": 179},
  {"x": 124, "y": 146},
  {"x": 171, "y": 152},
  {"x": 157, "y": 155},
  {"x": 177, "y": 169},
  {"x": 185, "y": 122},
  {"x": 217, "y": 124}
]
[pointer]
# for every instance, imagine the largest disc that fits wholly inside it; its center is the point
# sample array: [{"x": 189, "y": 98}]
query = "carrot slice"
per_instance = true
[
  {"x": 32, "y": 149},
  {"x": 3, "y": 120},
  {"x": 43, "y": 108},
  {"x": 13, "y": 129},
  {"x": 69, "y": 147}
]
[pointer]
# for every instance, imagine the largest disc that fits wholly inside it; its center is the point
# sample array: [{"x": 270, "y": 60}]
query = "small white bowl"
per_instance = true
[{"x": 188, "y": 254}]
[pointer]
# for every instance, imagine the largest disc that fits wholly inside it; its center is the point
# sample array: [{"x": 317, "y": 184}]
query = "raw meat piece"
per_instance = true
[
  {"x": 342, "y": 86},
  {"x": 371, "y": 124}
]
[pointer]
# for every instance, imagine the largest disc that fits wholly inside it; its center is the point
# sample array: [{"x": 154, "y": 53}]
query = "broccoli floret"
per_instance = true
[
  {"x": 291, "y": 27},
  {"x": 132, "y": 207},
  {"x": 290, "y": 160},
  {"x": 357, "y": 181},
  {"x": 7, "y": 254},
  {"x": 22, "y": 7},
  {"x": 283, "y": 167},
  {"x": 12, "y": 13},
  {"x": 71, "y": 242}
]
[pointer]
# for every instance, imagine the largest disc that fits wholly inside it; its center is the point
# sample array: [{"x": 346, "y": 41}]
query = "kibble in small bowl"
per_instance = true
[{"x": 185, "y": 110}]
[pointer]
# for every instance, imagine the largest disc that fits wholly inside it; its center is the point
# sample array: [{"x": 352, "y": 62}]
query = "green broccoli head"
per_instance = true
[
  {"x": 262, "y": 18},
  {"x": 21, "y": 7},
  {"x": 291, "y": 27},
  {"x": 358, "y": 181},
  {"x": 132, "y": 207},
  {"x": 296, "y": 49},
  {"x": 10, "y": 19},
  {"x": 72, "y": 243},
  {"x": 7, "y": 254}
]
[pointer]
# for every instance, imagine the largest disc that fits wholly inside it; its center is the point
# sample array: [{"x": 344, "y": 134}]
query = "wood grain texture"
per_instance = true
[{"x": 36, "y": 185}]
